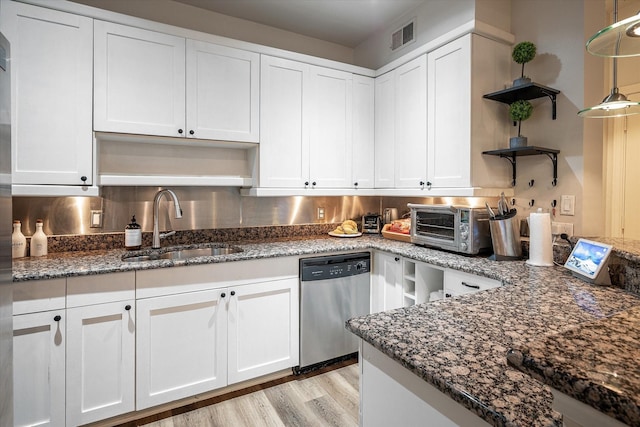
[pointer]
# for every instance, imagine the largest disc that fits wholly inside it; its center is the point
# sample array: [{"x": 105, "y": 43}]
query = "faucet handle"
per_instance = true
[{"x": 167, "y": 234}]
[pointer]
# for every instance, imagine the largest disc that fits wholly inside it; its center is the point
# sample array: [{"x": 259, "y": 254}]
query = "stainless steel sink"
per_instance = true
[
  {"x": 192, "y": 253},
  {"x": 182, "y": 254}
]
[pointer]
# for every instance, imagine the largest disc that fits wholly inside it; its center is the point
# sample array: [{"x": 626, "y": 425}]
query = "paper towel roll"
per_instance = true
[{"x": 540, "y": 245}]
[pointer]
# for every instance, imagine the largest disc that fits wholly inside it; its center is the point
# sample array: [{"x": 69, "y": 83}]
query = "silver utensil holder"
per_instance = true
[{"x": 505, "y": 238}]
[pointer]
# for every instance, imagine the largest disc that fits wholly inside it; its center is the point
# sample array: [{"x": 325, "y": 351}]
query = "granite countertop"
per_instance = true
[
  {"x": 459, "y": 345},
  {"x": 596, "y": 364},
  {"x": 81, "y": 263}
]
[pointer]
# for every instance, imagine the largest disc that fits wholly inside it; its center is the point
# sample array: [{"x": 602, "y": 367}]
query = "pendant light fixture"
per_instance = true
[
  {"x": 615, "y": 104},
  {"x": 620, "y": 39}
]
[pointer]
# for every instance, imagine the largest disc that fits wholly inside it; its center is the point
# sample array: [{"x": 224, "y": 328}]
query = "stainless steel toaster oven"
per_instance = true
[{"x": 460, "y": 229}]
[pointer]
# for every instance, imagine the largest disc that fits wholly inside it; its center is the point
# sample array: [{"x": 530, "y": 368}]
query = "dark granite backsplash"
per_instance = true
[{"x": 106, "y": 241}]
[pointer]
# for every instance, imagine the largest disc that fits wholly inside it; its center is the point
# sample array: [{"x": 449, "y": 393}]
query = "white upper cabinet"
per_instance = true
[
  {"x": 51, "y": 91},
  {"x": 153, "y": 83},
  {"x": 461, "y": 123},
  {"x": 384, "y": 146},
  {"x": 139, "y": 81},
  {"x": 306, "y": 126},
  {"x": 284, "y": 145},
  {"x": 401, "y": 126},
  {"x": 411, "y": 124},
  {"x": 330, "y": 146},
  {"x": 363, "y": 132},
  {"x": 222, "y": 92}
]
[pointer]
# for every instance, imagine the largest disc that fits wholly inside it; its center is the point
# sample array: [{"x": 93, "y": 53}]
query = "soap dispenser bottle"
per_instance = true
[
  {"x": 133, "y": 235},
  {"x": 18, "y": 241},
  {"x": 39, "y": 240}
]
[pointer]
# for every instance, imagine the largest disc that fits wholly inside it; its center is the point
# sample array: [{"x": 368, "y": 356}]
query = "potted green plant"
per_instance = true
[
  {"x": 519, "y": 111},
  {"x": 522, "y": 53}
]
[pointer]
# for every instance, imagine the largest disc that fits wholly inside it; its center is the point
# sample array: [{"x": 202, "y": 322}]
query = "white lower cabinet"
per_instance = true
[
  {"x": 214, "y": 325},
  {"x": 73, "y": 366},
  {"x": 100, "y": 361},
  {"x": 262, "y": 329},
  {"x": 38, "y": 368},
  {"x": 386, "y": 282},
  {"x": 180, "y": 347}
]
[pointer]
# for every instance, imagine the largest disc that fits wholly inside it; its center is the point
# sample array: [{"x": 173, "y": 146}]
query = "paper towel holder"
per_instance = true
[{"x": 589, "y": 261}]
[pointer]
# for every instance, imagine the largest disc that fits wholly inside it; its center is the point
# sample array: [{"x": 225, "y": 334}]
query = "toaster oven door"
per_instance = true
[{"x": 436, "y": 227}]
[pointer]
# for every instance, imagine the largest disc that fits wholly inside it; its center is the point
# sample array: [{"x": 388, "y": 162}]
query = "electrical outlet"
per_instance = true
[
  {"x": 557, "y": 228},
  {"x": 320, "y": 213}
]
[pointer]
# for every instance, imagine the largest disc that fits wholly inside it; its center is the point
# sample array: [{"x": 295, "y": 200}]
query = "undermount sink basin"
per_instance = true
[{"x": 182, "y": 254}]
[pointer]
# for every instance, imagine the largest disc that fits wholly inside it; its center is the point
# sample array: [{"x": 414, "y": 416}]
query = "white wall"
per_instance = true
[
  {"x": 432, "y": 20},
  {"x": 559, "y": 29},
  {"x": 181, "y": 15}
]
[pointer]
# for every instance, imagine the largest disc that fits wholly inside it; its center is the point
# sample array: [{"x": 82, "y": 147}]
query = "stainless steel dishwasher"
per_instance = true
[{"x": 333, "y": 289}]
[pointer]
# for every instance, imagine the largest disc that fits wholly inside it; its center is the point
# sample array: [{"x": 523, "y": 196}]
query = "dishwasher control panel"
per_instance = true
[{"x": 334, "y": 266}]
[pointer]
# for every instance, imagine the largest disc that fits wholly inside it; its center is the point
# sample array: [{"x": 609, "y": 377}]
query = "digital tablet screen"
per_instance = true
[{"x": 588, "y": 257}]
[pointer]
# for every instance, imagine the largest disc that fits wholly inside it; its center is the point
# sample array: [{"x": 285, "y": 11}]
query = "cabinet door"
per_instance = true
[
  {"x": 38, "y": 369},
  {"x": 459, "y": 283},
  {"x": 386, "y": 282},
  {"x": 284, "y": 132},
  {"x": 330, "y": 146},
  {"x": 411, "y": 124},
  {"x": 263, "y": 328},
  {"x": 384, "y": 133},
  {"x": 363, "y": 135},
  {"x": 139, "y": 81},
  {"x": 100, "y": 361},
  {"x": 222, "y": 92},
  {"x": 51, "y": 92},
  {"x": 180, "y": 346},
  {"x": 449, "y": 112}
]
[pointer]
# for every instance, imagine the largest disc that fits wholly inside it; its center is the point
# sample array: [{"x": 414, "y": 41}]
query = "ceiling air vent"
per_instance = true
[{"x": 403, "y": 36}]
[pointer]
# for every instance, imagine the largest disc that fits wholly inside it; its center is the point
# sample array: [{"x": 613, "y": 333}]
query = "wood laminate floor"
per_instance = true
[{"x": 325, "y": 398}]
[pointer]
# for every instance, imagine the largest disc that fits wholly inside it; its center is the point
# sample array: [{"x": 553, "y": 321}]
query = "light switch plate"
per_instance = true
[
  {"x": 568, "y": 205},
  {"x": 96, "y": 219}
]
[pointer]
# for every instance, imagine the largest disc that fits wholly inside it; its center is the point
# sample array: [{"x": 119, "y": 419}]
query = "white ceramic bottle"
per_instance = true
[
  {"x": 39, "y": 241},
  {"x": 133, "y": 235},
  {"x": 18, "y": 241}
]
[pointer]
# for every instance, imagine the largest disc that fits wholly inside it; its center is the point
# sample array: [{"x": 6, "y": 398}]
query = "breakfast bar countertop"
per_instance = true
[{"x": 459, "y": 345}]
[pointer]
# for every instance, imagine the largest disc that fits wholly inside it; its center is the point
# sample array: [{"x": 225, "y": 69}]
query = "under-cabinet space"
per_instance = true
[{"x": 138, "y": 160}]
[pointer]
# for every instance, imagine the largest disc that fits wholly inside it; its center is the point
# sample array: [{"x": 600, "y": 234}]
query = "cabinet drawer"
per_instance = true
[
  {"x": 99, "y": 289},
  {"x": 38, "y": 295},
  {"x": 163, "y": 281},
  {"x": 458, "y": 283}
]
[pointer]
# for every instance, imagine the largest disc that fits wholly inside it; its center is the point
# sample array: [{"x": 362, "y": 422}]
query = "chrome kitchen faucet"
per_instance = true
[{"x": 156, "y": 202}]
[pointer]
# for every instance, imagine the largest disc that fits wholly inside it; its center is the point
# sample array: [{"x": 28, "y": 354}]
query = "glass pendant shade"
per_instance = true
[
  {"x": 619, "y": 40},
  {"x": 614, "y": 105}
]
